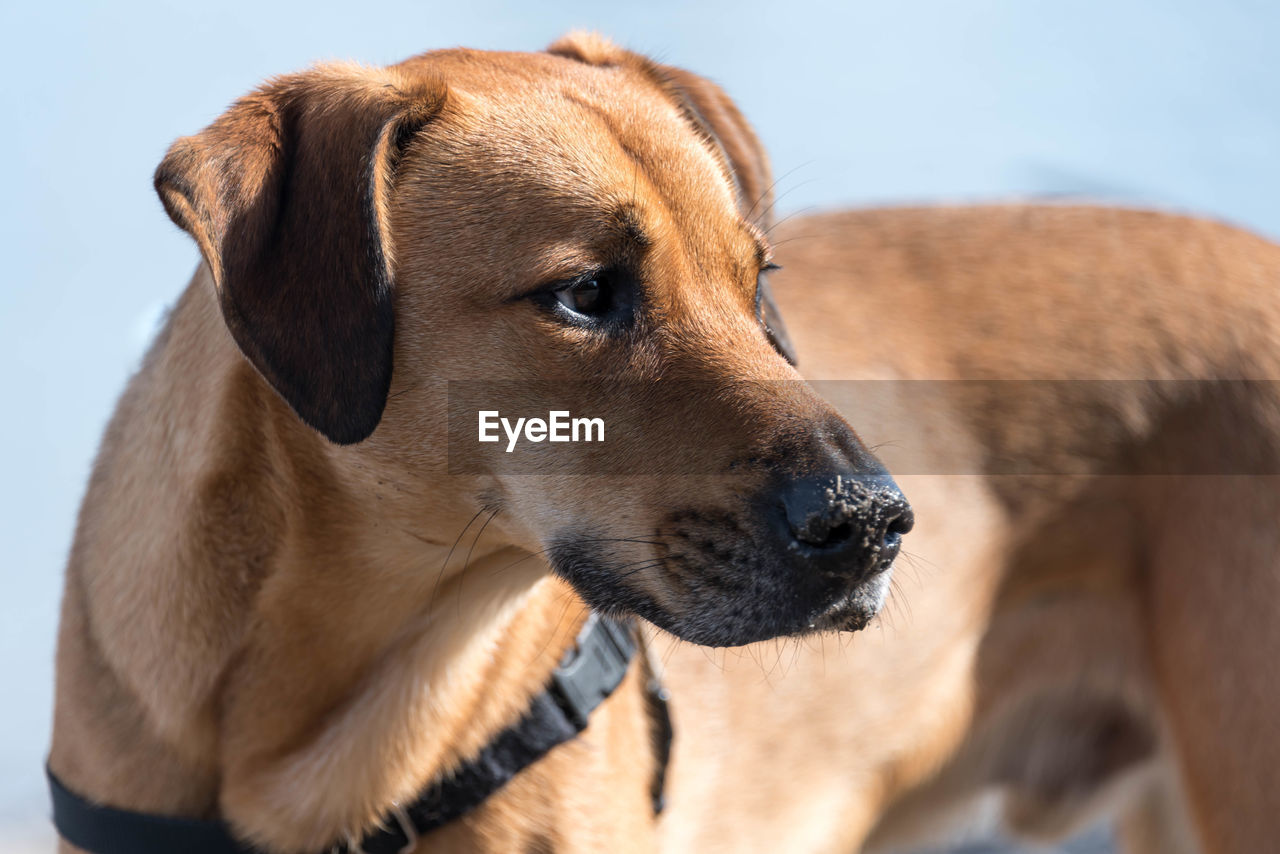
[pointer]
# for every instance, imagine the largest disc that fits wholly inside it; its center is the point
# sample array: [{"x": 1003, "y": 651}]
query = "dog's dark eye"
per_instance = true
[
  {"x": 604, "y": 296},
  {"x": 770, "y": 321},
  {"x": 590, "y": 298},
  {"x": 603, "y": 300}
]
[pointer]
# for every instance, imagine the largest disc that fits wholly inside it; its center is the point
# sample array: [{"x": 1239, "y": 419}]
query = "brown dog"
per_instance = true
[{"x": 266, "y": 619}]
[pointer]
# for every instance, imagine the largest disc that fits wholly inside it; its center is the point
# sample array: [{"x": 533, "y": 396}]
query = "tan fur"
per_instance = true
[{"x": 267, "y": 627}]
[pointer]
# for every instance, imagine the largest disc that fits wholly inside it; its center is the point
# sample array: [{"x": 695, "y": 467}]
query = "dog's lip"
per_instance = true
[
  {"x": 851, "y": 612},
  {"x": 862, "y": 602}
]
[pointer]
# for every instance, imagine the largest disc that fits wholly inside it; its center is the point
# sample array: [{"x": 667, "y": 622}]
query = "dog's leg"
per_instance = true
[{"x": 1214, "y": 586}]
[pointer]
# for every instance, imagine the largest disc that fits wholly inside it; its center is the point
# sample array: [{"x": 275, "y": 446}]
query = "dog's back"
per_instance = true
[{"x": 1080, "y": 403}]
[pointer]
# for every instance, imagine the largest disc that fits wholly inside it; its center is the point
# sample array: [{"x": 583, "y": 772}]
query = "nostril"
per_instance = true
[
  {"x": 892, "y": 542},
  {"x": 838, "y": 534},
  {"x": 821, "y": 532}
]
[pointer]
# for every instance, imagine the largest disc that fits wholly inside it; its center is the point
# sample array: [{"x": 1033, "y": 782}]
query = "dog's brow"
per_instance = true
[
  {"x": 629, "y": 225},
  {"x": 613, "y": 236}
]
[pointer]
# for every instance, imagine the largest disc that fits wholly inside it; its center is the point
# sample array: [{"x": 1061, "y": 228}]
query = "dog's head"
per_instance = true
[{"x": 584, "y": 218}]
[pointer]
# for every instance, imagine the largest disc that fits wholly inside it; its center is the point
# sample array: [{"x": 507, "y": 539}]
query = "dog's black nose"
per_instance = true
[{"x": 849, "y": 523}]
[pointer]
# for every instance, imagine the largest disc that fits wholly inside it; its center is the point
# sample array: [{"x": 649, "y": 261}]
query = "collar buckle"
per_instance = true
[{"x": 591, "y": 671}]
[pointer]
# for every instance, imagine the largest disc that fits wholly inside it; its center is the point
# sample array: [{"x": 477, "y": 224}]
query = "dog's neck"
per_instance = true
[{"x": 267, "y": 647}]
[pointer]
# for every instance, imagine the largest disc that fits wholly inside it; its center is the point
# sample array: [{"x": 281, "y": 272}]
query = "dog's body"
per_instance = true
[
  {"x": 1093, "y": 645},
  {"x": 266, "y": 626}
]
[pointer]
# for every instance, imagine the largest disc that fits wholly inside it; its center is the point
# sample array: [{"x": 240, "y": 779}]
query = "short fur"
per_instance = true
[{"x": 283, "y": 610}]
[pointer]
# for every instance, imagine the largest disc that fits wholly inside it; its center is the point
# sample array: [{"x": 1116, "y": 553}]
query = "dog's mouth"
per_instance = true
[
  {"x": 730, "y": 592},
  {"x": 857, "y": 608},
  {"x": 862, "y": 601}
]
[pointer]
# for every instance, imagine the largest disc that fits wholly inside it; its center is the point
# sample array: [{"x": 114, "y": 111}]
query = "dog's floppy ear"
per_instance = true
[
  {"x": 287, "y": 195},
  {"x": 722, "y": 125}
]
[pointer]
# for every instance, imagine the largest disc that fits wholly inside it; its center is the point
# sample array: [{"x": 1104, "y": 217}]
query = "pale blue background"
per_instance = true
[{"x": 1161, "y": 102}]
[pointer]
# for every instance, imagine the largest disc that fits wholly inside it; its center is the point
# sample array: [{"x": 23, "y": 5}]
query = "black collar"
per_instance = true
[{"x": 588, "y": 674}]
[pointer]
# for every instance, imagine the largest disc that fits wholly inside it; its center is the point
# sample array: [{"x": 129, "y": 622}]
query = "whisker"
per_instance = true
[
  {"x": 421, "y": 538},
  {"x": 792, "y": 215},
  {"x": 404, "y": 391},
  {"x": 436, "y": 587},
  {"x": 671, "y": 646},
  {"x": 915, "y": 557},
  {"x": 792, "y": 239},
  {"x": 782, "y": 196},
  {"x": 466, "y": 562},
  {"x": 569, "y": 600},
  {"x": 648, "y": 563},
  {"x": 540, "y": 552},
  {"x": 775, "y": 183},
  {"x": 779, "y": 649},
  {"x": 795, "y": 654}
]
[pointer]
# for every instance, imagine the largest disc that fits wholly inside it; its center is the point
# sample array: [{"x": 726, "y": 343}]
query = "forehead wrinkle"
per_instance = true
[
  {"x": 578, "y": 155},
  {"x": 510, "y": 152},
  {"x": 647, "y": 140},
  {"x": 634, "y": 114},
  {"x": 547, "y": 193},
  {"x": 653, "y": 131},
  {"x": 647, "y": 131}
]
